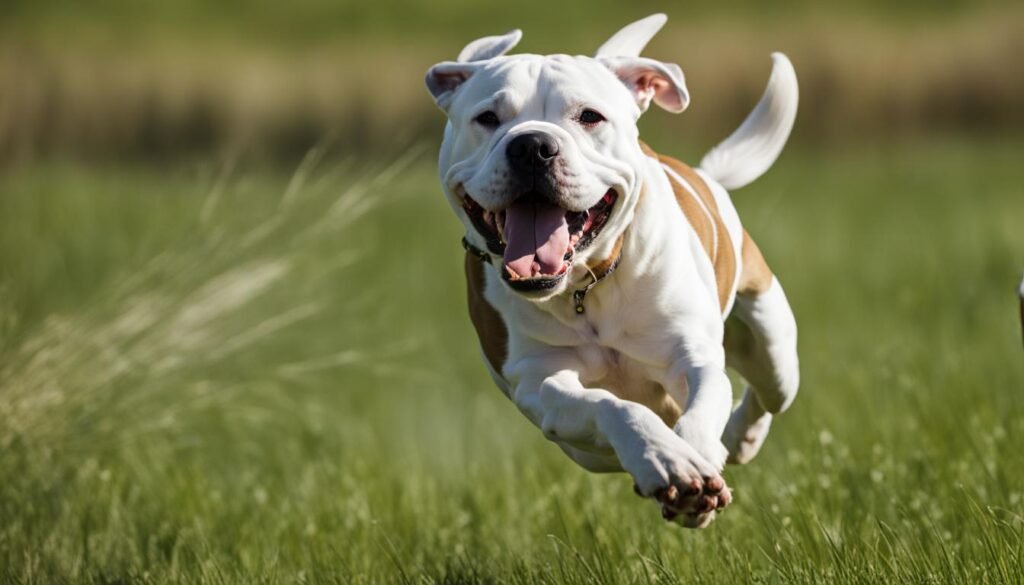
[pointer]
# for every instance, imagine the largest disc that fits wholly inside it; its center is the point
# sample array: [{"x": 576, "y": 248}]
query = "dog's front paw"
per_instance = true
[
  {"x": 687, "y": 487},
  {"x": 696, "y": 508}
]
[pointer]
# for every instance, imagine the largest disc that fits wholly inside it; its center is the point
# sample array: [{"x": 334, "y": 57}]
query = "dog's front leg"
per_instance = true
[
  {"x": 708, "y": 400},
  {"x": 548, "y": 390}
]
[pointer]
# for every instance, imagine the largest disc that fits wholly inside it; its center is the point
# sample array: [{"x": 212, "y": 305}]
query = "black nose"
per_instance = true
[{"x": 527, "y": 151}]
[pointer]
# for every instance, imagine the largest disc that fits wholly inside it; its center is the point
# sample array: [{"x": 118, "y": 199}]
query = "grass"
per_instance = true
[{"x": 234, "y": 375}]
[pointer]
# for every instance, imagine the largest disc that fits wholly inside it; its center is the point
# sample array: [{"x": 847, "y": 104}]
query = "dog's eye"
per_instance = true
[
  {"x": 589, "y": 117},
  {"x": 488, "y": 119}
]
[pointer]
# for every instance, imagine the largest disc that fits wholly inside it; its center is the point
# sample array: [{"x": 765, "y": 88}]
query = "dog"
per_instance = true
[{"x": 611, "y": 286}]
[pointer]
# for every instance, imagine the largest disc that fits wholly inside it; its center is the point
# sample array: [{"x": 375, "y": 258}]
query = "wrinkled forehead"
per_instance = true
[{"x": 518, "y": 80}]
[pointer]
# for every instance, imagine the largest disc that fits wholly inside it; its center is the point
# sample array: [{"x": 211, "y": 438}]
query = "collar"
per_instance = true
[{"x": 597, "y": 272}]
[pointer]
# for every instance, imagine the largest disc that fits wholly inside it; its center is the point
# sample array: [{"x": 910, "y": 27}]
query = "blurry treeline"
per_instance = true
[{"x": 152, "y": 80}]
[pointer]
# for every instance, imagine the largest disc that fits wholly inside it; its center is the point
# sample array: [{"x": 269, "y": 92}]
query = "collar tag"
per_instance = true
[{"x": 578, "y": 297}]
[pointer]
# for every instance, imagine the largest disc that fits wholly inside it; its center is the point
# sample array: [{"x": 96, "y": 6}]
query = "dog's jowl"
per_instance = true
[{"x": 611, "y": 286}]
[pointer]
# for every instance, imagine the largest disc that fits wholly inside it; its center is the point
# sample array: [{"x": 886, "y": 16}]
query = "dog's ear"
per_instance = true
[
  {"x": 632, "y": 39},
  {"x": 444, "y": 78},
  {"x": 490, "y": 47},
  {"x": 648, "y": 79}
]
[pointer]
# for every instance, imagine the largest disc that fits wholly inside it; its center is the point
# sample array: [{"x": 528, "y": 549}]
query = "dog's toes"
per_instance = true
[
  {"x": 714, "y": 485},
  {"x": 724, "y": 498},
  {"x": 707, "y": 503},
  {"x": 694, "y": 504},
  {"x": 694, "y": 487},
  {"x": 668, "y": 495}
]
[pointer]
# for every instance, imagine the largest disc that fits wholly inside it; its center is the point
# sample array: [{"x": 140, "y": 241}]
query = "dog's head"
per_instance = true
[{"x": 540, "y": 154}]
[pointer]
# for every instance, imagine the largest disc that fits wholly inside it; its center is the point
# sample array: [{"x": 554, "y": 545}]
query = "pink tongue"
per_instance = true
[{"x": 536, "y": 236}]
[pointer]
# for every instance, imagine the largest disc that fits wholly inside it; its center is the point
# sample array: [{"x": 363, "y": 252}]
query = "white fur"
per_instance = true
[
  {"x": 656, "y": 321},
  {"x": 632, "y": 38},
  {"x": 486, "y": 48},
  {"x": 753, "y": 147},
  {"x": 770, "y": 367}
]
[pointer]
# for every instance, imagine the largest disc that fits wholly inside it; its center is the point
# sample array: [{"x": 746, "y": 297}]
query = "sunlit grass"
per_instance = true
[{"x": 237, "y": 376}]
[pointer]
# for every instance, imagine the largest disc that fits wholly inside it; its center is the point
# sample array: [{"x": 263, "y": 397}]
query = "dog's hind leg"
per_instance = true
[{"x": 760, "y": 344}]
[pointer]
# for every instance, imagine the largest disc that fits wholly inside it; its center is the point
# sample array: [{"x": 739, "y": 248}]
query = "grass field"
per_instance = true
[{"x": 221, "y": 374}]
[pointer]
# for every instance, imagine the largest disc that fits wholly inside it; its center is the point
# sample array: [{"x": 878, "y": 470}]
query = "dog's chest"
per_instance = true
[
  {"x": 619, "y": 354},
  {"x": 628, "y": 379}
]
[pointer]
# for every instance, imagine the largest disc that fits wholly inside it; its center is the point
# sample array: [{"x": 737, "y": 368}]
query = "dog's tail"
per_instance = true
[{"x": 753, "y": 147}]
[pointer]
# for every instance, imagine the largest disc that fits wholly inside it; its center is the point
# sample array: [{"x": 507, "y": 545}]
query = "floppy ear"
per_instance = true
[
  {"x": 445, "y": 77},
  {"x": 648, "y": 79},
  {"x": 632, "y": 39},
  {"x": 490, "y": 47}
]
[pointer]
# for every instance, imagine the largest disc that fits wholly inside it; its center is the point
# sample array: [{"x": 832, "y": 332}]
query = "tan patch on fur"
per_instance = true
[
  {"x": 756, "y": 277},
  {"x": 723, "y": 256},
  {"x": 602, "y": 267},
  {"x": 650, "y": 394},
  {"x": 666, "y": 407},
  {"x": 490, "y": 328}
]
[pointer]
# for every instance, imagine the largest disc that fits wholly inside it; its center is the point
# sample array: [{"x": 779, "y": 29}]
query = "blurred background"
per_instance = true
[
  {"x": 233, "y": 341},
  {"x": 156, "y": 81}
]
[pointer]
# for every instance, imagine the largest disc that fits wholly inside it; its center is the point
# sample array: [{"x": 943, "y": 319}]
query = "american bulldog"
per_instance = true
[{"x": 610, "y": 286}]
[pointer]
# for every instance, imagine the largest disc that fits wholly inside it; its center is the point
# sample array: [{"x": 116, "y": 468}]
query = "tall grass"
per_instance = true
[{"x": 231, "y": 376}]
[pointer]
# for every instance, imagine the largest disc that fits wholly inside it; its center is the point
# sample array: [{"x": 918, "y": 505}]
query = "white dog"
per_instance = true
[{"x": 611, "y": 286}]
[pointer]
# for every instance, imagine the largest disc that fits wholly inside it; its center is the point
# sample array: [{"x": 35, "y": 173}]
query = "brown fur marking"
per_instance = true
[
  {"x": 490, "y": 328},
  {"x": 724, "y": 257},
  {"x": 755, "y": 277},
  {"x": 605, "y": 265}
]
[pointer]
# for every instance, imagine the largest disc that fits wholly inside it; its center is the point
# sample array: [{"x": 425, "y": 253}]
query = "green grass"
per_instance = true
[{"x": 238, "y": 377}]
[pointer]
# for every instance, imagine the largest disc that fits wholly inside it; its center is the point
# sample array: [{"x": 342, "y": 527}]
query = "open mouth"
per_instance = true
[{"x": 537, "y": 239}]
